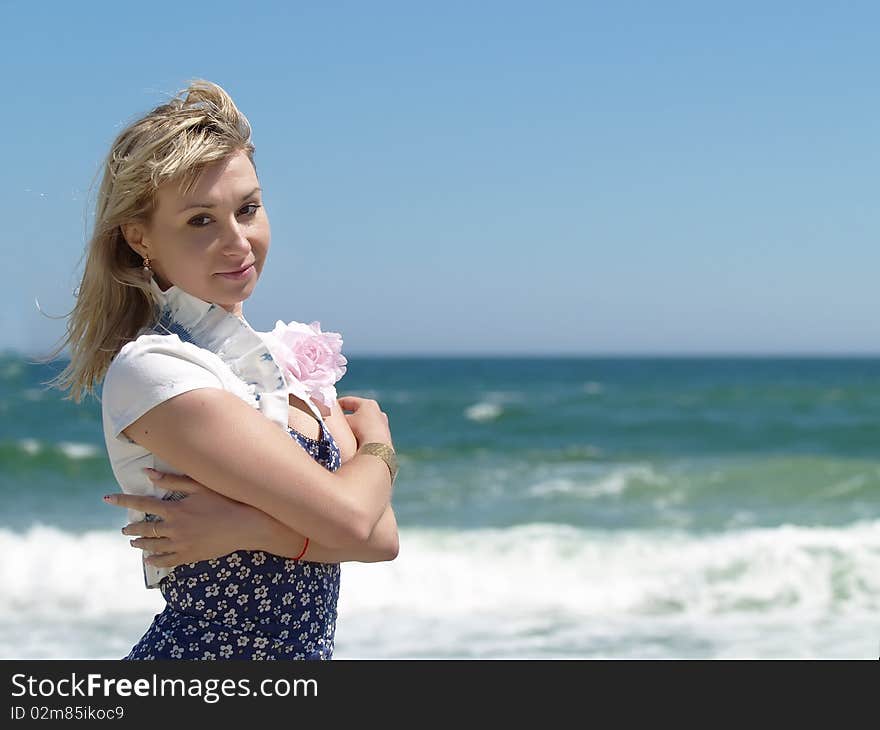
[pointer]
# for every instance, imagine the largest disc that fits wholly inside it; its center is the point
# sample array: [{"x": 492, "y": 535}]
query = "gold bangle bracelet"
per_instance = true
[{"x": 384, "y": 452}]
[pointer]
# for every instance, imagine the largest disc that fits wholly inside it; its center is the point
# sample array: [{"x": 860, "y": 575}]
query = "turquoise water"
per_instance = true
[{"x": 547, "y": 506}]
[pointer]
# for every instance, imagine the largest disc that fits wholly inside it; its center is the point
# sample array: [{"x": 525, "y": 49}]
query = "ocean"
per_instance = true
[{"x": 548, "y": 508}]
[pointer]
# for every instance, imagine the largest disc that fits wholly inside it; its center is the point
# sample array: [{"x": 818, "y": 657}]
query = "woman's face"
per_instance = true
[{"x": 199, "y": 241}]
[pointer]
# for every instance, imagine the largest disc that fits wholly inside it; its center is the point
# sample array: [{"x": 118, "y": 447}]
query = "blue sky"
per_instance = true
[{"x": 486, "y": 178}]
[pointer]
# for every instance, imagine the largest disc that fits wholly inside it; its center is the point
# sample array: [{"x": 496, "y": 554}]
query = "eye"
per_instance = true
[{"x": 199, "y": 221}]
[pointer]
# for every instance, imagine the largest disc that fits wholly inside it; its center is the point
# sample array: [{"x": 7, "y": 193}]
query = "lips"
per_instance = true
[{"x": 238, "y": 270}]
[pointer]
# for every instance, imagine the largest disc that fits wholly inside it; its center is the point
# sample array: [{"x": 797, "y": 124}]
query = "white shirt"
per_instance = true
[{"x": 195, "y": 345}]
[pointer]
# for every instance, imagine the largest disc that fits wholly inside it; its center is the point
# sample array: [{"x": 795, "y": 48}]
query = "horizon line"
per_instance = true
[{"x": 646, "y": 355}]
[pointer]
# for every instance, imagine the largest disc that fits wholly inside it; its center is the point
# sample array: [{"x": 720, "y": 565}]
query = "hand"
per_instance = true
[
  {"x": 368, "y": 423},
  {"x": 201, "y": 526}
]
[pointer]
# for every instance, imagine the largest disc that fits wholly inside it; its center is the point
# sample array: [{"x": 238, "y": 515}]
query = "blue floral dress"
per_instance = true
[{"x": 249, "y": 604}]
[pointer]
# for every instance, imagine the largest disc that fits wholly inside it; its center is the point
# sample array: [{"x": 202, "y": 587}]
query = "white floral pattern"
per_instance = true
[{"x": 249, "y": 604}]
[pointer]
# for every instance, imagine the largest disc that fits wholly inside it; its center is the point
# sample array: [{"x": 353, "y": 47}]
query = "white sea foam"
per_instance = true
[
  {"x": 549, "y": 590},
  {"x": 533, "y": 590},
  {"x": 617, "y": 481},
  {"x": 70, "y": 449},
  {"x": 50, "y": 573},
  {"x": 593, "y": 387},
  {"x": 609, "y": 483},
  {"x": 851, "y": 484},
  {"x": 73, "y": 450},
  {"x": 492, "y": 404},
  {"x": 30, "y": 446},
  {"x": 483, "y": 411}
]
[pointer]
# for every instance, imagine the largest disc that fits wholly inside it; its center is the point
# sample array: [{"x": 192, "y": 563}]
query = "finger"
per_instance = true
[
  {"x": 153, "y": 544},
  {"x": 174, "y": 482},
  {"x": 166, "y": 560},
  {"x": 140, "y": 529},
  {"x": 151, "y": 505},
  {"x": 349, "y": 402},
  {"x": 352, "y": 399}
]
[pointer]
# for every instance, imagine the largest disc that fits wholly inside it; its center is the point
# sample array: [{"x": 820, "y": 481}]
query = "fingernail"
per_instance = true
[{"x": 111, "y": 498}]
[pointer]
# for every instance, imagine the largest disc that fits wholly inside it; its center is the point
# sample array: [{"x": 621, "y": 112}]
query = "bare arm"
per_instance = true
[
  {"x": 383, "y": 543},
  {"x": 208, "y": 525},
  {"x": 218, "y": 440}
]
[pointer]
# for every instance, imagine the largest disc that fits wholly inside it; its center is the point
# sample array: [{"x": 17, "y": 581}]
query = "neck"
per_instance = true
[{"x": 233, "y": 309}]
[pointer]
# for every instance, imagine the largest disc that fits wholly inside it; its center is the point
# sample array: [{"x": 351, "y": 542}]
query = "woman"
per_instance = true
[{"x": 259, "y": 487}]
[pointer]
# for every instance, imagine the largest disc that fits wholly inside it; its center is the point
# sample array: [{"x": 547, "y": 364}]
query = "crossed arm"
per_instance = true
[{"x": 208, "y": 524}]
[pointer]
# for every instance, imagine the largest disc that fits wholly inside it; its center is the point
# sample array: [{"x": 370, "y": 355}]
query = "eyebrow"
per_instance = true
[{"x": 212, "y": 205}]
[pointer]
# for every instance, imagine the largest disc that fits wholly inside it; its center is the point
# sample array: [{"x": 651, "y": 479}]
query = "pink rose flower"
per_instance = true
[{"x": 311, "y": 358}]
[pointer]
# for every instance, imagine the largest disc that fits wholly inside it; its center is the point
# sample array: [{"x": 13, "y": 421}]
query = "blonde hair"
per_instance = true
[{"x": 173, "y": 142}]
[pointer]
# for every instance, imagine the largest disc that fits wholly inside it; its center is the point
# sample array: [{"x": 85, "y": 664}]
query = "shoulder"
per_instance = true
[
  {"x": 162, "y": 355},
  {"x": 168, "y": 345},
  {"x": 152, "y": 369}
]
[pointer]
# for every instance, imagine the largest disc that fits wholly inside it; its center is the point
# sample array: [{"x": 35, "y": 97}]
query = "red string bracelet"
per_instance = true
[{"x": 305, "y": 547}]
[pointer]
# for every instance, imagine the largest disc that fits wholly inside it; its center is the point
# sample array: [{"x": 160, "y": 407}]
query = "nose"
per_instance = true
[{"x": 236, "y": 241}]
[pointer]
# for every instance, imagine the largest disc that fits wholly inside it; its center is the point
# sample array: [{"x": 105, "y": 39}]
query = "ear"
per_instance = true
[{"x": 134, "y": 237}]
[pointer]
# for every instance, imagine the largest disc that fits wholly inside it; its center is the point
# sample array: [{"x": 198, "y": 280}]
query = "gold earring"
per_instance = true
[{"x": 148, "y": 272}]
